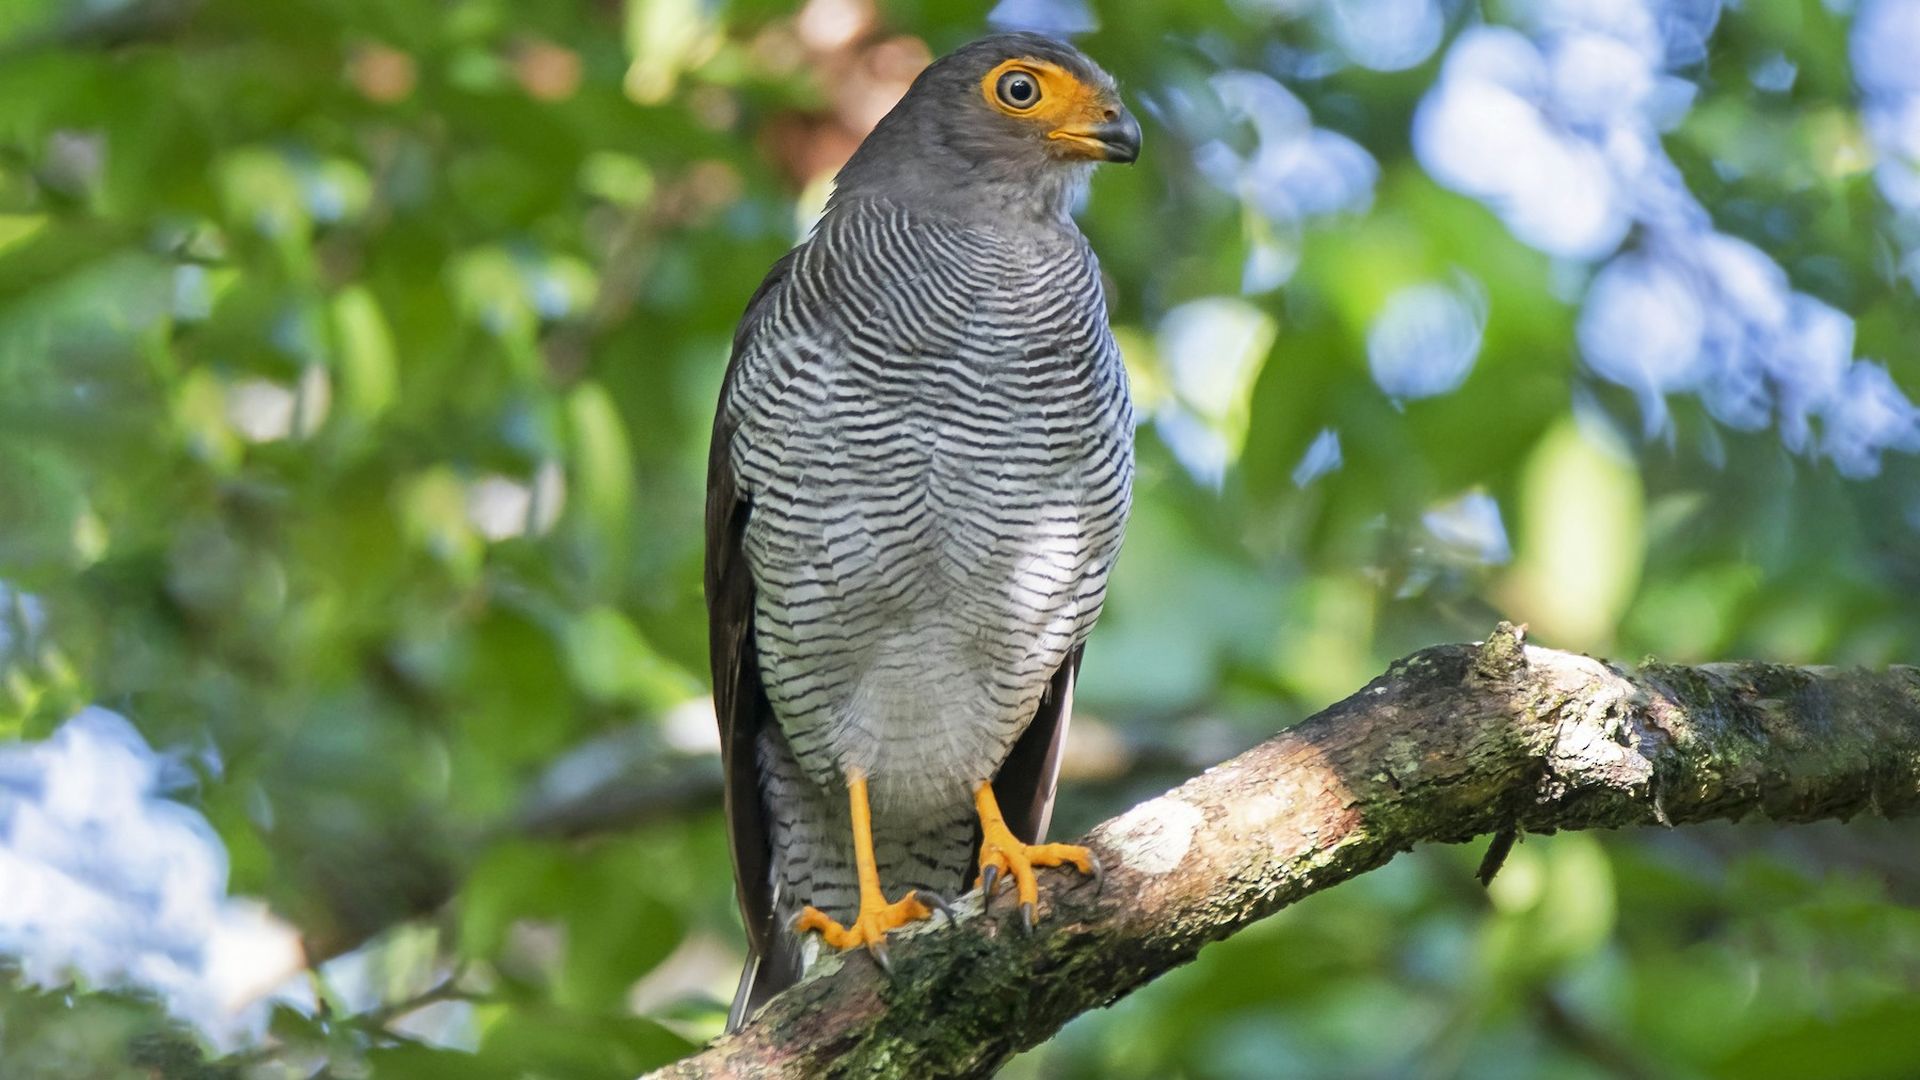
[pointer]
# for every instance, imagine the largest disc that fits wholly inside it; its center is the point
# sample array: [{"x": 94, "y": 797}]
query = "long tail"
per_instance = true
[
  {"x": 760, "y": 980},
  {"x": 743, "y": 996},
  {"x": 762, "y": 977}
]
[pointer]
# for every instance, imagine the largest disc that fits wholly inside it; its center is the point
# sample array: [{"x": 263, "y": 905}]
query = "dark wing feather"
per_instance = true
[
  {"x": 739, "y": 699},
  {"x": 1024, "y": 788}
]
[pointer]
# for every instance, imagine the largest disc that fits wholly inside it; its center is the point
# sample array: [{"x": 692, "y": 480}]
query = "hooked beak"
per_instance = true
[{"x": 1116, "y": 140}]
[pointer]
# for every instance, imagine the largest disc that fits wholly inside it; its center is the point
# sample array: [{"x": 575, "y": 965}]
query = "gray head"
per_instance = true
[{"x": 1008, "y": 125}]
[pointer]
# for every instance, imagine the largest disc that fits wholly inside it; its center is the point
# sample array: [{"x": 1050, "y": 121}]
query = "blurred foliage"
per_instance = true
[{"x": 356, "y": 367}]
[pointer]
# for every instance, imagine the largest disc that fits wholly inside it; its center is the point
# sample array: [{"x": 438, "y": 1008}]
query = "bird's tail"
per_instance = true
[
  {"x": 760, "y": 979},
  {"x": 764, "y": 976},
  {"x": 743, "y": 996}
]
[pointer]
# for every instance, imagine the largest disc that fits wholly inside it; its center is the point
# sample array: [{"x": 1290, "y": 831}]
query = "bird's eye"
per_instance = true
[{"x": 1019, "y": 90}]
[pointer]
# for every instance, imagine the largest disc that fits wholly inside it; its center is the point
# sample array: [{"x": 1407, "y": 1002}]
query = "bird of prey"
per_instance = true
[{"x": 920, "y": 472}]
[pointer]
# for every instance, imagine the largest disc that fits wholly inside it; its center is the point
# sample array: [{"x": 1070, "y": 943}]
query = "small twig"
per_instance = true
[
  {"x": 1496, "y": 856},
  {"x": 447, "y": 989}
]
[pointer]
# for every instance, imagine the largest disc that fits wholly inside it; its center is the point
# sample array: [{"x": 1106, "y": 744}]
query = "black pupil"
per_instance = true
[{"x": 1019, "y": 89}]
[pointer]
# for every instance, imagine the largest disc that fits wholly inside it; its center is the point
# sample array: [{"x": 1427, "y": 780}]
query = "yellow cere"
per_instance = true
[{"x": 1067, "y": 106}]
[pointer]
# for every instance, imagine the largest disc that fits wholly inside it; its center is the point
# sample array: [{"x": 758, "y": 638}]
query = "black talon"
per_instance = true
[
  {"x": 936, "y": 902},
  {"x": 988, "y": 879},
  {"x": 1026, "y": 919},
  {"x": 878, "y": 950},
  {"x": 1099, "y": 872}
]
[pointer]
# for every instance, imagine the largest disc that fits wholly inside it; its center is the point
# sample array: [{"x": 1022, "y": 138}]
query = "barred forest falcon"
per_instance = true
[{"x": 919, "y": 477}]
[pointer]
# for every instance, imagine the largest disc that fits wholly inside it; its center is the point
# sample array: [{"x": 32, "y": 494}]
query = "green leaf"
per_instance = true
[
  {"x": 558, "y": 1046},
  {"x": 1580, "y": 546},
  {"x": 1867, "y": 1044},
  {"x": 413, "y": 1062},
  {"x": 369, "y": 376},
  {"x": 611, "y": 663}
]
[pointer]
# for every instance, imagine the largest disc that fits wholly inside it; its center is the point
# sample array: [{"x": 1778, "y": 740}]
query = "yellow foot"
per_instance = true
[
  {"x": 876, "y": 916},
  {"x": 1002, "y": 853},
  {"x": 870, "y": 926}
]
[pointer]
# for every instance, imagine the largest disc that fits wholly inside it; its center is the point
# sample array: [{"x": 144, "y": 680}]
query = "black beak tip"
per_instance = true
[{"x": 1121, "y": 139}]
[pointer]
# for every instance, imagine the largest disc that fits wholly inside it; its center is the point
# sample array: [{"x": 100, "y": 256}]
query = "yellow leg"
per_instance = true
[
  {"x": 1001, "y": 852},
  {"x": 876, "y": 916}
]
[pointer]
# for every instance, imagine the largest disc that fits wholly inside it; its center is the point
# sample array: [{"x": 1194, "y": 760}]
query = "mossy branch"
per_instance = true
[{"x": 1451, "y": 743}]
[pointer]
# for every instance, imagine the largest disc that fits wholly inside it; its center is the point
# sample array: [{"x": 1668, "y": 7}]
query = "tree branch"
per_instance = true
[
  {"x": 1451, "y": 743},
  {"x": 631, "y": 782}
]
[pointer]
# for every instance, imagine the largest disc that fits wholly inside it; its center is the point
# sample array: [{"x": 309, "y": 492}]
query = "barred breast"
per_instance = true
[{"x": 936, "y": 438}]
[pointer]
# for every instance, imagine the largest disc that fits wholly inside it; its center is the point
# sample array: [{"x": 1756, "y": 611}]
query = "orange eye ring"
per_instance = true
[{"x": 1018, "y": 89}]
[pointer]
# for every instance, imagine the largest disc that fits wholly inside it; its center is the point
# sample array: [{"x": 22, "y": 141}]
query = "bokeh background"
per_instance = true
[{"x": 356, "y": 366}]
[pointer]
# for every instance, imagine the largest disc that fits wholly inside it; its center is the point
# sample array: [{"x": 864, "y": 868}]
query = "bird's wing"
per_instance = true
[
  {"x": 1024, "y": 788},
  {"x": 739, "y": 699}
]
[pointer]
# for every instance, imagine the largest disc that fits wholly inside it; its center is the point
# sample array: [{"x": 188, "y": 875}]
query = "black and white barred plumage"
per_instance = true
[{"x": 920, "y": 477}]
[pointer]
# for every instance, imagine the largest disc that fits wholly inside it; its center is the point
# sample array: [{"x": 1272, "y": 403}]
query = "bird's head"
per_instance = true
[{"x": 1006, "y": 123}]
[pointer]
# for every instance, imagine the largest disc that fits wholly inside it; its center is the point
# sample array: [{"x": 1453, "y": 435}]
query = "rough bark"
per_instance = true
[{"x": 1450, "y": 743}]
